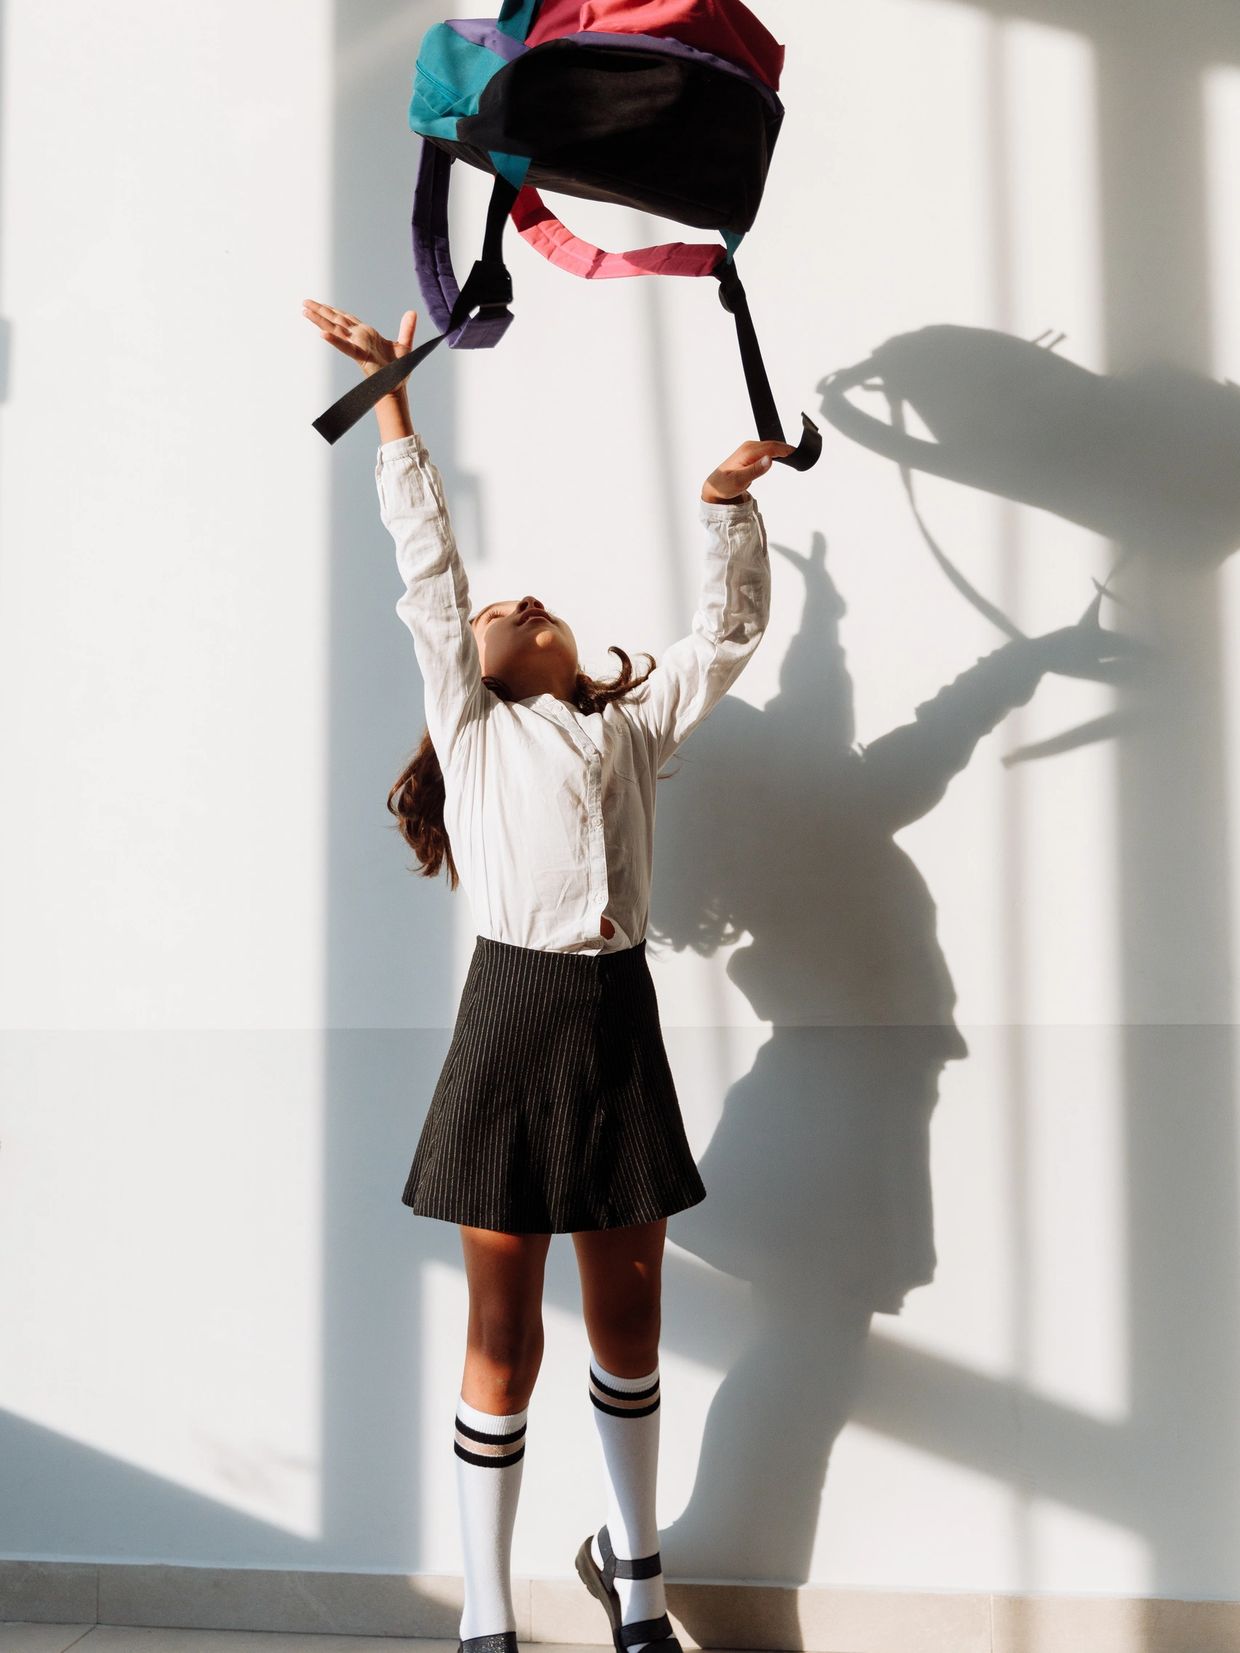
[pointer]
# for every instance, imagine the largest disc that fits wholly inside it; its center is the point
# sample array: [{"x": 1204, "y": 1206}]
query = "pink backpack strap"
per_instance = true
[{"x": 538, "y": 225}]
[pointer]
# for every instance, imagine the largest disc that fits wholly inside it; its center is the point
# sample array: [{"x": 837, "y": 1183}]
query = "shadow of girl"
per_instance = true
[{"x": 818, "y": 1172}]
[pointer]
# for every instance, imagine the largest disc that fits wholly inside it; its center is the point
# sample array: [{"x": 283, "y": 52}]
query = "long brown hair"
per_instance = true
[{"x": 416, "y": 795}]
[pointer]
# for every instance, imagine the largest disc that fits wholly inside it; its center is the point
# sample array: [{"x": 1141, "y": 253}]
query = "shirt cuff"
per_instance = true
[
  {"x": 404, "y": 447},
  {"x": 742, "y": 511}
]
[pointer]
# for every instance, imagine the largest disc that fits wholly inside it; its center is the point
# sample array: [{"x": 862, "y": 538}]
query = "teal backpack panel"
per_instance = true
[{"x": 448, "y": 81}]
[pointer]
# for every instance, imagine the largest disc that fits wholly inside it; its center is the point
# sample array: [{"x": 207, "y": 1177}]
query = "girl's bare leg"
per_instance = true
[
  {"x": 621, "y": 1287},
  {"x": 502, "y": 1356},
  {"x": 621, "y": 1273},
  {"x": 505, "y": 1338}
]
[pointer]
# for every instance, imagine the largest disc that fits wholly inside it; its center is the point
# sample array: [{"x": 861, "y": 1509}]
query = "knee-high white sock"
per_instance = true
[
  {"x": 626, "y": 1411},
  {"x": 489, "y": 1450}
]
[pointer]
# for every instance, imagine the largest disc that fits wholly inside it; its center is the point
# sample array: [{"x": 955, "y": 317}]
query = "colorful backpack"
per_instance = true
[{"x": 668, "y": 106}]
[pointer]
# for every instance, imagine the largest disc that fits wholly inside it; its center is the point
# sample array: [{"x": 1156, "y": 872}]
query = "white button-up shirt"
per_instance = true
[{"x": 550, "y": 812}]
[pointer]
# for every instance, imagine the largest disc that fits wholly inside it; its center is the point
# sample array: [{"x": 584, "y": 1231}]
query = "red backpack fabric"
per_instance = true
[{"x": 725, "y": 28}]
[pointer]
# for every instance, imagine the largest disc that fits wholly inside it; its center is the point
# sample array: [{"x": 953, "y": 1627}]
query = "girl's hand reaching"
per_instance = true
[
  {"x": 371, "y": 351},
  {"x": 728, "y": 484},
  {"x": 364, "y": 345}
]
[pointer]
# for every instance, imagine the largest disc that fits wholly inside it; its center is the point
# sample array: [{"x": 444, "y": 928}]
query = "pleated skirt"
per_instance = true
[{"x": 555, "y": 1110}]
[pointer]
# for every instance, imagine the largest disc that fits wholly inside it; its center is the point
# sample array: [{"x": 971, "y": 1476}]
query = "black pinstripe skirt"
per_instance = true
[{"x": 555, "y": 1110}]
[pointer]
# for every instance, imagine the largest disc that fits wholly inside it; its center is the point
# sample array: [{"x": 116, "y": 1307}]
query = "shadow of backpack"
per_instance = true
[
  {"x": 666, "y": 106},
  {"x": 1145, "y": 458}
]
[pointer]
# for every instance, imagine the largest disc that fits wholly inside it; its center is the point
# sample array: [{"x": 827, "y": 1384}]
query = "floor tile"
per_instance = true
[
  {"x": 1067, "y": 1624},
  {"x": 40, "y": 1638},
  {"x": 119, "y": 1638},
  {"x": 261, "y": 1601},
  {"x": 116, "y": 1638},
  {"x": 49, "y": 1592}
]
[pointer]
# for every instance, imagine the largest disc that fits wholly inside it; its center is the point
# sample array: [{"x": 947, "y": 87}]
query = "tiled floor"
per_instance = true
[{"x": 114, "y": 1638}]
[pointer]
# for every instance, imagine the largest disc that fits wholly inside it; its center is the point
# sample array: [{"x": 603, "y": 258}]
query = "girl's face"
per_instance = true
[{"x": 528, "y": 648}]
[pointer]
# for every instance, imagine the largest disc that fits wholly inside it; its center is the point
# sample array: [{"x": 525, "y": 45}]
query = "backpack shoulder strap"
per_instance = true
[
  {"x": 432, "y": 258},
  {"x": 761, "y": 398},
  {"x": 488, "y": 290},
  {"x": 539, "y": 226}
]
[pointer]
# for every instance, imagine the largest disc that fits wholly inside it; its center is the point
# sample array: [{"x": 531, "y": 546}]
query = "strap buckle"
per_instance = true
[
  {"x": 731, "y": 293},
  {"x": 488, "y": 288},
  {"x": 489, "y": 292}
]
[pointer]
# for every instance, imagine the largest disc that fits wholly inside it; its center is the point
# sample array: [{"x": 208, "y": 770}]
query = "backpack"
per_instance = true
[{"x": 667, "y": 106}]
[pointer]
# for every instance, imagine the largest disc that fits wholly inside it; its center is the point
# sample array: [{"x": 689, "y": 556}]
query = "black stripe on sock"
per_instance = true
[
  {"x": 623, "y": 1394},
  {"x": 626, "y": 1411},
  {"x": 490, "y": 1440},
  {"x": 487, "y": 1462}
]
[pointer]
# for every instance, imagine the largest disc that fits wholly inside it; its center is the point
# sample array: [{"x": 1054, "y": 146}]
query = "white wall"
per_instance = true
[{"x": 225, "y": 1341}]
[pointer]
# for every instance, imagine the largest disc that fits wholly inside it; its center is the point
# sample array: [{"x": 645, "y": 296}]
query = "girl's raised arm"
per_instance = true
[
  {"x": 435, "y": 604},
  {"x": 694, "y": 674}
]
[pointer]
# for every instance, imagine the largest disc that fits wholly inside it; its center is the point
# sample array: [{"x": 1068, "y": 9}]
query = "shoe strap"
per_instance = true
[
  {"x": 646, "y": 1566},
  {"x": 657, "y": 1630}
]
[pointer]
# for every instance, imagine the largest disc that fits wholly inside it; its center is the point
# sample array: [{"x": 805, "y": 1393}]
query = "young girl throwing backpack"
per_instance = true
[{"x": 555, "y": 1111}]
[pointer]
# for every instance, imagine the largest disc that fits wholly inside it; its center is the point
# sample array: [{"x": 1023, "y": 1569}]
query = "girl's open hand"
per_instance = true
[
  {"x": 364, "y": 345},
  {"x": 751, "y": 460}
]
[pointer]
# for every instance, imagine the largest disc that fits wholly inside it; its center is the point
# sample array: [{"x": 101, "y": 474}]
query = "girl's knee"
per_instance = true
[
  {"x": 508, "y": 1345},
  {"x": 626, "y": 1341}
]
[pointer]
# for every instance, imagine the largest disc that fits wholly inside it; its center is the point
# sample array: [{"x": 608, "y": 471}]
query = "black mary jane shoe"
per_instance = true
[
  {"x": 503, "y": 1641},
  {"x": 600, "y": 1582}
]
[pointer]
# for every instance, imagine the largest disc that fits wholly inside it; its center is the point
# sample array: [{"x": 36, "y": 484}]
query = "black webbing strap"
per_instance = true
[
  {"x": 766, "y": 416},
  {"x": 488, "y": 288},
  {"x": 647, "y": 1630},
  {"x": 645, "y": 1566}
]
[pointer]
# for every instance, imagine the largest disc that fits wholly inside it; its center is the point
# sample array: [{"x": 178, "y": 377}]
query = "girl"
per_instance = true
[{"x": 555, "y": 1111}]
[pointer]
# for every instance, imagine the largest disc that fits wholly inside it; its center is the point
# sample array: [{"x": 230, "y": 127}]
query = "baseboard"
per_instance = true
[{"x": 808, "y": 1617}]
